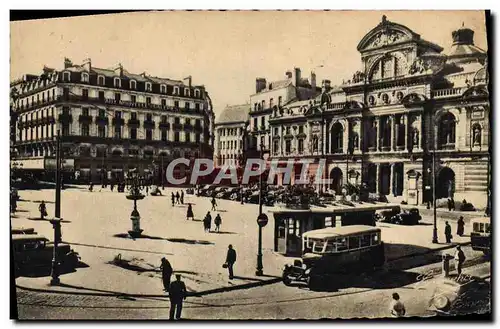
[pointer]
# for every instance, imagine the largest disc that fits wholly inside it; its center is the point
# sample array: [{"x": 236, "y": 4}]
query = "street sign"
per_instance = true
[{"x": 262, "y": 220}]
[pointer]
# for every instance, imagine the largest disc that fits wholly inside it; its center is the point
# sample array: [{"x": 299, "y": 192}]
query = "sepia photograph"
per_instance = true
[{"x": 251, "y": 165}]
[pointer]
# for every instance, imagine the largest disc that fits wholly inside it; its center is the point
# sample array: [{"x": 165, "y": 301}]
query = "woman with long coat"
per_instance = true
[
  {"x": 460, "y": 226},
  {"x": 166, "y": 273},
  {"x": 190, "y": 212}
]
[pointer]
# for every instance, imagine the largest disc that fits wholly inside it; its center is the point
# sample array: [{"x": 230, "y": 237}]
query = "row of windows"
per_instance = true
[
  {"x": 231, "y": 145},
  {"x": 288, "y": 130},
  {"x": 343, "y": 243},
  {"x": 230, "y": 131},
  {"x": 262, "y": 104},
  {"x": 288, "y": 146},
  {"x": 40, "y": 98},
  {"x": 148, "y": 86}
]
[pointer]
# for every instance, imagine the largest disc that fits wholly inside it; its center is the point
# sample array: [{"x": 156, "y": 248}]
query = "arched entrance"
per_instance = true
[
  {"x": 337, "y": 133},
  {"x": 336, "y": 178},
  {"x": 445, "y": 184}
]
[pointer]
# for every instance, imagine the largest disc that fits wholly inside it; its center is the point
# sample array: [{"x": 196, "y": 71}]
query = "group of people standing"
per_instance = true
[
  {"x": 460, "y": 229},
  {"x": 177, "y": 198},
  {"x": 207, "y": 222}
]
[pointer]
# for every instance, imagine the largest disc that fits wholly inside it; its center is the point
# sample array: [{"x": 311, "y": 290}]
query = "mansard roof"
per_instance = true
[{"x": 234, "y": 114}]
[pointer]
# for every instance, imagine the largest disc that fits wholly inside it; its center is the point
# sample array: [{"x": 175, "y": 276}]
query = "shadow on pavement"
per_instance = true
[
  {"x": 178, "y": 240},
  {"x": 247, "y": 278},
  {"x": 45, "y": 271},
  {"x": 46, "y": 219},
  {"x": 224, "y": 232},
  {"x": 116, "y": 248},
  {"x": 143, "y": 236}
]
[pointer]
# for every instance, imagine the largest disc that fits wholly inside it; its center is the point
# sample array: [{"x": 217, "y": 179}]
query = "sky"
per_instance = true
[{"x": 225, "y": 51}]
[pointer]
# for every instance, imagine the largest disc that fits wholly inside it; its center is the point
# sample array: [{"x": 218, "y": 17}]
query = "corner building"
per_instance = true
[
  {"x": 383, "y": 126},
  {"x": 110, "y": 121}
]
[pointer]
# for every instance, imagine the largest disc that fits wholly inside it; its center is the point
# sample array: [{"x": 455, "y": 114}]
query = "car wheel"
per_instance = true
[
  {"x": 286, "y": 280},
  {"x": 441, "y": 302}
]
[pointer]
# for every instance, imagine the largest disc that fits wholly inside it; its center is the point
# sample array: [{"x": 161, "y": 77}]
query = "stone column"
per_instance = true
[
  {"x": 377, "y": 134},
  {"x": 407, "y": 122},
  {"x": 377, "y": 179},
  {"x": 391, "y": 180},
  {"x": 394, "y": 137}
]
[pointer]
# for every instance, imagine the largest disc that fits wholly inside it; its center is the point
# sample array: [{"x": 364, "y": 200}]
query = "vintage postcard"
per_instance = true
[{"x": 251, "y": 165}]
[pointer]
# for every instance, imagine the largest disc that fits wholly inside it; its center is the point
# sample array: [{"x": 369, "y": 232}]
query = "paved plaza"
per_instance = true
[{"x": 96, "y": 223}]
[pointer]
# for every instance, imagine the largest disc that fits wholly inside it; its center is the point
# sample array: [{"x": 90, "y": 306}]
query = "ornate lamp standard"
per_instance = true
[
  {"x": 261, "y": 221},
  {"x": 135, "y": 182}
]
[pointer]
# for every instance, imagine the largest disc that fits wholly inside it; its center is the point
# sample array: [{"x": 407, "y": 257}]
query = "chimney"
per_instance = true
[
  {"x": 260, "y": 84},
  {"x": 87, "y": 64},
  {"x": 298, "y": 78},
  {"x": 326, "y": 85},
  {"x": 288, "y": 74},
  {"x": 189, "y": 80},
  {"x": 67, "y": 63},
  {"x": 119, "y": 69},
  {"x": 313, "y": 80}
]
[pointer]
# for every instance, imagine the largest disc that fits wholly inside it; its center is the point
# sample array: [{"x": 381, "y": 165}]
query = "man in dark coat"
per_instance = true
[
  {"x": 217, "y": 222},
  {"x": 190, "y": 212},
  {"x": 177, "y": 197},
  {"x": 230, "y": 260},
  {"x": 182, "y": 197},
  {"x": 43, "y": 210},
  {"x": 460, "y": 226},
  {"x": 207, "y": 222},
  {"x": 459, "y": 260},
  {"x": 173, "y": 199},
  {"x": 214, "y": 204},
  {"x": 449, "y": 204},
  {"x": 447, "y": 232},
  {"x": 177, "y": 294}
]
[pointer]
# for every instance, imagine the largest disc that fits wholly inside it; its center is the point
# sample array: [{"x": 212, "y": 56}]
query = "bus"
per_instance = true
[
  {"x": 480, "y": 236},
  {"x": 336, "y": 251}
]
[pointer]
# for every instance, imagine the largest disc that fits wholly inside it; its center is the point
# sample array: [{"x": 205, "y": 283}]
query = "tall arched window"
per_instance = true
[
  {"x": 446, "y": 133},
  {"x": 337, "y": 138}
]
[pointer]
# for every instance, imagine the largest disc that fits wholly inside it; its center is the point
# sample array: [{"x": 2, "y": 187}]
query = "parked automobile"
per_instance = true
[
  {"x": 155, "y": 190},
  {"x": 407, "y": 217},
  {"x": 190, "y": 191},
  {"x": 386, "y": 216},
  {"x": 34, "y": 251},
  {"x": 462, "y": 295},
  {"x": 207, "y": 190},
  {"x": 22, "y": 230}
]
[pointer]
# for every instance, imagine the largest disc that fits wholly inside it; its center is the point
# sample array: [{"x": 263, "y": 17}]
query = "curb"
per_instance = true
[
  {"x": 121, "y": 294},
  {"x": 211, "y": 291},
  {"x": 450, "y": 246}
]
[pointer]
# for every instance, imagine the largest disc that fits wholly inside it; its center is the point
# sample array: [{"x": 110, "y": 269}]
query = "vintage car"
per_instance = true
[
  {"x": 407, "y": 217},
  {"x": 190, "y": 191},
  {"x": 386, "y": 216},
  {"x": 33, "y": 251},
  {"x": 480, "y": 236},
  {"x": 463, "y": 295},
  {"x": 22, "y": 230},
  {"x": 334, "y": 252},
  {"x": 155, "y": 190}
]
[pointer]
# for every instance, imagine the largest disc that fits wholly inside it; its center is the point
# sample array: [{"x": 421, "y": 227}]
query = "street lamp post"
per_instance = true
[
  {"x": 434, "y": 231},
  {"x": 135, "y": 194},
  {"x": 259, "y": 271},
  {"x": 56, "y": 222}
]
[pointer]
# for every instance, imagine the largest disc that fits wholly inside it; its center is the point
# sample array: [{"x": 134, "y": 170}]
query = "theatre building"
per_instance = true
[
  {"x": 411, "y": 102},
  {"x": 109, "y": 121}
]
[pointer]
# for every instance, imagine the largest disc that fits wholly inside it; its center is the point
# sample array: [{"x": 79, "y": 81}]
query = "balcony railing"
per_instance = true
[
  {"x": 65, "y": 117},
  {"x": 164, "y": 125},
  {"x": 134, "y": 122},
  {"x": 188, "y": 127},
  {"x": 118, "y": 121},
  {"x": 444, "y": 93},
  {"x": 177, "y": 126},
  {"x": 85, "y": 118},
  {"x": 150, "y": 124},
  {"x": 102, "y": 120}
]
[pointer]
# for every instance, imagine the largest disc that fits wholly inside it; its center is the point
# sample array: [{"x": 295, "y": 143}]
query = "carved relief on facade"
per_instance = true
[{"x": 386, "y": 37}]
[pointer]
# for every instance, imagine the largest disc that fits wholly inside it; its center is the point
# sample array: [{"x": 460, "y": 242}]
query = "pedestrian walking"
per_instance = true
[
  {"x": 452, "y": 204},
  {"x": 447, "y": 232},
  {"x": 190, "y": 212},
  {"x": 397, "y": 308},
  {"x": 166, "y": 273},
  {"x": 217, "y": 222},
  {"x": 177, "y": 197},
  {"x": 177, "y": 294},
  {"x": 449, "y": 204},
  {"x": 182, "y": 197},
  {"x": 112, "y": 187},
  {"x": 147, "y": 189},
  {"x": 214, "y": 204},
  {"x": 230, "y": 260},
  {"x": 91, "y": 186},
  {"x": 173, "y": 199},
  {"x": 460, "y": 226},
  {"x": 43, "y": 210},
  {"x": 207, "y": 222},
  {"x": 459, "y": 260}
]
